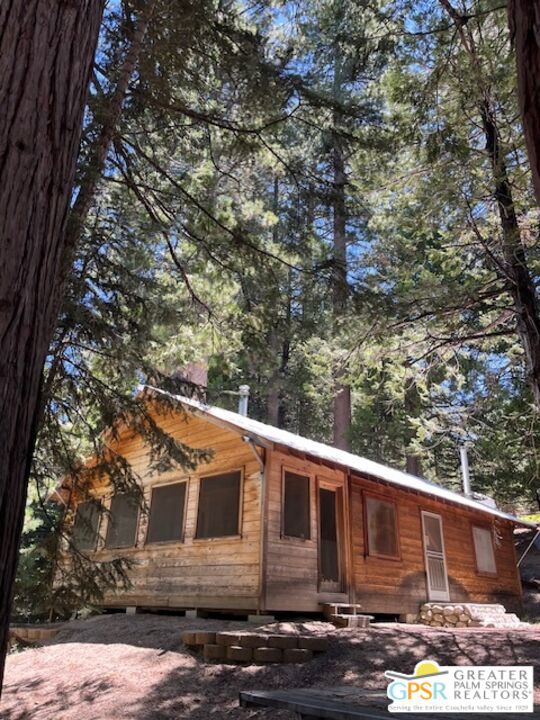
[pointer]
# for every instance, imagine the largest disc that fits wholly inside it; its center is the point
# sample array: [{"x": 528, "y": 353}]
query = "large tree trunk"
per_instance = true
[
  {"x": 342, "y": 391},
  {"x": 519, "y": 282},
  {"x": 46, "y": 56},
  {"x": 112, "y": 113},
  {"x": 524, "y": 21}
]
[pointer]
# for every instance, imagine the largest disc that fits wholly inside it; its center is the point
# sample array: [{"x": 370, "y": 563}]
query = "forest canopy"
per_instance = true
[{"x": 328, "y": 201}]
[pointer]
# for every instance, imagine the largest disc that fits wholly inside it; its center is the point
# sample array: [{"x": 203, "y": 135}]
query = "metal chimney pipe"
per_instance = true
[
  {"x": 465, "y": 471},
  {"x": 243, "y": 392}
]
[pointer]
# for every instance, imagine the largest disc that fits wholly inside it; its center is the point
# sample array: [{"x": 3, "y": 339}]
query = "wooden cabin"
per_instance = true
[{"x": 276, "y": 522}]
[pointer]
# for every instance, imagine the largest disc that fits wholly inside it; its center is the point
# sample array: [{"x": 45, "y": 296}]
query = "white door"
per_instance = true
[{"x": 437, "y": 576}]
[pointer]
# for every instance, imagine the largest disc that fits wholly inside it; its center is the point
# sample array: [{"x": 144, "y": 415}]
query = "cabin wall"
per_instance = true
[
  {"x": 379, "y": 585},
  {"x": 206, "y": 573},
  {"x": 399, "y": 586},
  {"x": 292, "y": 564}
]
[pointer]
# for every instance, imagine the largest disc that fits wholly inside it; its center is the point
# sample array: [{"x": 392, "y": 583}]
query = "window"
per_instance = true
[
  {"x": 381, "y": 522},
  {"x": 86, "y": 525},
  {"x": 484, "y": 550},
  {"x": 166, "y": 513},
  {"x": 219, "y": 506},
  {"x": 296, "y": 515},
  {"x": 122, "y": 528}
]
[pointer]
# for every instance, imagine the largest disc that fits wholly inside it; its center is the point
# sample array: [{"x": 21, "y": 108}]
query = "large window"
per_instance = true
[
  {"x": 382, "y": 532},
  {"x": 484, "y": 550},
  {"x": 86, "y": 525},
  {"x": 296, "y": 500},
  {"x": 219, "y": 505},
  {"x": 166, "y": 513},
  {"x": 122, "y": 527}
]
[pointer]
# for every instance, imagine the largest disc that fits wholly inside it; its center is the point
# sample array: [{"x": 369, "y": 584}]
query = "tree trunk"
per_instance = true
[
  {"x": 112, "y": 114},
  {"x": 46, "y": 56},
  {"x": 340, "y": 288},
  {"x": 524, "y": 21},
  {"x": 519, "y": 282},
  {"x": 342, "y": 391}
]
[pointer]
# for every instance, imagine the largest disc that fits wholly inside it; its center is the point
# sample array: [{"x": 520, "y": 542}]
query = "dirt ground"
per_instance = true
[{"x": 135, "y": 666}]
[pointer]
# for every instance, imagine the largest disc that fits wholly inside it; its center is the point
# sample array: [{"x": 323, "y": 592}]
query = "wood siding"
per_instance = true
[
  {"x": 205, "y": 573},
  {"x": 399, "y": 586},
  {"x": 292, "y": 564},
  {"x": 225, "y": 573}
]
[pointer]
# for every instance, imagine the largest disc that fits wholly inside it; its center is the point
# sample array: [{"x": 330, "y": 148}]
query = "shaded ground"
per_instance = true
[{"x": 135, "y": 667}]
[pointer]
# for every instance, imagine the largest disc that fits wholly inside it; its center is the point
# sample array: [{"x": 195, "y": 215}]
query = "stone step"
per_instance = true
[
  {"x": 485, "y": 609},
  {"x": 481, "y": 615}
]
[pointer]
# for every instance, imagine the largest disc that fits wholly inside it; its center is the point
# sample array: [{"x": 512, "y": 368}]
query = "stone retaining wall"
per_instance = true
[
  {"x": 443, "y": 615},
  {"x": 246, "y": 647}
]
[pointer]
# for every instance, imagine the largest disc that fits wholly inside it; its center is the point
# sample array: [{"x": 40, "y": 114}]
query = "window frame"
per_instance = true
[
  {"x": 221, "y": 538},
  {"x": 182, "y": 539},
  {"x": 489, "y": 529},
  {"x": 303, "y": 473},
  {"x": 368, "y": 551},
  {"x": 98, "y": 502},
  {"x": 137, "y": 526}
]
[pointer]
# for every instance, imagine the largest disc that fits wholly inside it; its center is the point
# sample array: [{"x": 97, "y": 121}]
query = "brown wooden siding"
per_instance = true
[
  {"x": 210, "y": 573},
  {"x": 399, "y": 586},
  {"x": 292, "y": 564},
  {"x": 226, "y": 573}
]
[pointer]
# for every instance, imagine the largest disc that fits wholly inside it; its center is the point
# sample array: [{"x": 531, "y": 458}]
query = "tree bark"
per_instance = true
[
  {"x": 112, "y": 114},
  {"x": 524, "y": 21},
  {"x": 340, "y": 287},
  {"x": 342, "y": 391},
  {"x": 518, "y": 279},
  {"x": 46, "y": 55}
]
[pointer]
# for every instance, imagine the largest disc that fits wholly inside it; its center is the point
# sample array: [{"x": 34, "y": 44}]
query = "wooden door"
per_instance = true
[
  {"x": 330, "y": 539},
  {"x": 435, "y": 558}
]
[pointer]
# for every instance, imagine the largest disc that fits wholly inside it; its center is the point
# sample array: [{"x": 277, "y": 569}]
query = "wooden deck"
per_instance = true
[{"x": 346, "y": 704}]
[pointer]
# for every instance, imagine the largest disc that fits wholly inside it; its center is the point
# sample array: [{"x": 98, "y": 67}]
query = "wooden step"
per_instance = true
[
  {"x": 351, "y": 621},
  {"x": 340, "y": 609}
]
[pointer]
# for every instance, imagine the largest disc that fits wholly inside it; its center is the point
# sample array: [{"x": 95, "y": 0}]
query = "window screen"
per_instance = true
[
  {"x": 296, "y": 516},
  {"x": 86, "y": 525},
  {"x": 483, "y": 548},
  {"x": 166, "y": 513},
  {"x": 122, "y": 528},
  {"x": 219, "y": 501},
  {"x": 381, "y": 528},
  {"x": 328, "y": 535}
]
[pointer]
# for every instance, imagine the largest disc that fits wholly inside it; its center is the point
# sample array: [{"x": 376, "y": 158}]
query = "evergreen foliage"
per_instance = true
[{"x": 207, "y": 237}]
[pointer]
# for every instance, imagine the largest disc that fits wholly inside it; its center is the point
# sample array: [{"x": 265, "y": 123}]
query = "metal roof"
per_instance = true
[{"x": 262, "y": 432}]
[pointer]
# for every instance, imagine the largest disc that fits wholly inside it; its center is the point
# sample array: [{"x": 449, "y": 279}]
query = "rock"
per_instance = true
[
  {"x": 228, "y": 638},
  {"x": 203, "y": 637},
  {"x": 253, "y": 641},
  {"x": 214, "y": 652},
  {"x": 267, "y": 654},
  {"x": 284, "y": 642},
  {"x": 236, "y": 653},
  {"x": 189, "y": 638},
  {"x": 294, "y": 655},
  {"x": 316, "y": 644}
]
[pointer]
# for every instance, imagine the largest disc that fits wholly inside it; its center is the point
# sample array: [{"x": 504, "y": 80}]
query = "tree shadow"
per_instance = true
[{"x": 355, "y": 659}]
